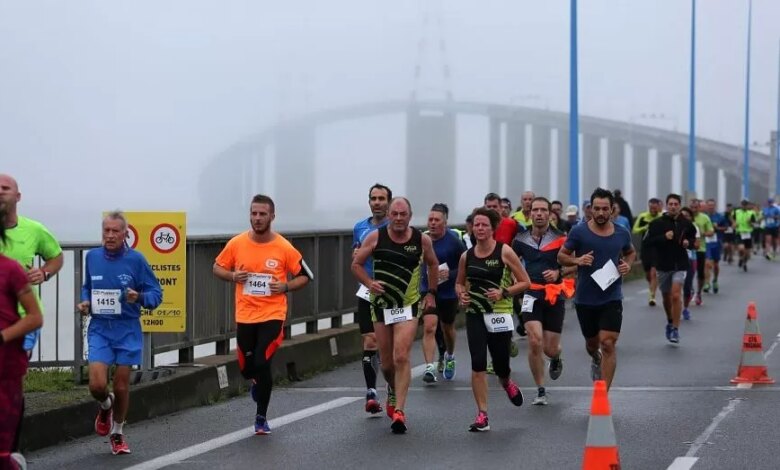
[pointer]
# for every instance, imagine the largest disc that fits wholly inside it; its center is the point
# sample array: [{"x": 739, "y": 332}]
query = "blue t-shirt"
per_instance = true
[
  {"x": 719, "y": 220},
  {"x": 118, "y": 272},
  {"x": 448, "y": 250},
  {"x": 771, "y": 215},
  {"x": 582, "y": 240},
  {"x": 359, "y": 233},
  {"x": 623, "y": 222}
]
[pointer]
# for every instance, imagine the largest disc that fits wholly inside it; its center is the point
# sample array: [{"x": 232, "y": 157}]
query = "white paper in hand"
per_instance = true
[
  {"x": 607, "y": 275},
  {"x": 443, "y": 267}
]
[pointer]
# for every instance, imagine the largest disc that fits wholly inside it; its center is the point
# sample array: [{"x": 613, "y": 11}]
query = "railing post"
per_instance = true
[
  {"x": 187, "y": 355},
  {"x": 78, "y": 345},
  {"x": 223, "y": 347}
]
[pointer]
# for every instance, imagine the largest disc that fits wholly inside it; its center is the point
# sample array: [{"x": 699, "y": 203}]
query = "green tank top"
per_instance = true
[
  {"x": 397, "y": 267},
  {"x": 744, "y": 220},
  {"x": 487, "y": 273}
]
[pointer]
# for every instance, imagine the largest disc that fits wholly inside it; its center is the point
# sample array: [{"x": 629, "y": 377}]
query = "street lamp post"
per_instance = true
[
  {"x": 746, "y": 158},
  {"x": 574, "y": 132},
  {"x": 692, "y": 124}
]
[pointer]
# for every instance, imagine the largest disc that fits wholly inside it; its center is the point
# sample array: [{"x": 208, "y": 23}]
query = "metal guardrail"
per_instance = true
[{"x": 210, "y": 301}]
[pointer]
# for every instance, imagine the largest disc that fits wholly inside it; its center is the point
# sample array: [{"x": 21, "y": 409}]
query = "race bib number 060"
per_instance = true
[
  {"x": 499, "y": 322},
  {"x": 398, "y": 315}
]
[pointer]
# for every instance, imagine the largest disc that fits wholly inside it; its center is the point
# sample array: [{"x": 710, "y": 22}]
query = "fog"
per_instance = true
[{"x": 109, "y": 105}]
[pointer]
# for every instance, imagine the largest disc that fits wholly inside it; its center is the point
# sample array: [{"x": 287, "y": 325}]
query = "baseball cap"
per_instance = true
[{"x": 571, "y": 210}]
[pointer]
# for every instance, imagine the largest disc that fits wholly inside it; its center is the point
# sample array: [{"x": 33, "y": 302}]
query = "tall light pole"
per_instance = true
[
  {"x": 746, "y": 158},
  {"x": 574, "y": 132},
  {"x": 777, "y": 133},
  {"x": 692, "y": 125}
]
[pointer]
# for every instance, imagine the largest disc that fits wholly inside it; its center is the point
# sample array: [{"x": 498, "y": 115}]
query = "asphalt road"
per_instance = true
[{"x": 673, "y": 407}]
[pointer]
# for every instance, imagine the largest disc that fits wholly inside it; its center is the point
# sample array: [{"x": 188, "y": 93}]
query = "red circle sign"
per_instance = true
[
  {"x": 132, "y": 236},
  {"x": 164, "y": 238}
]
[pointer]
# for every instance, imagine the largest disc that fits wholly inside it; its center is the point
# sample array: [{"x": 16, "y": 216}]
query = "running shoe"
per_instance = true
[
  {"x": 390, "y": 404},
  {"x": 119, "y": 444},
  {"x": 669, "y": 329},
  {"x": 744, "y": 266},
  {"x": 706, "y": 288},
  {"x": 556, "y": 366},
  {"x": 541, "y": 399},
  {"x": 399, "y": 422},
  {"x": 440, "y": 365},
  {"x": 449, "y": 367},
  {"x": 513, "y": 392},
  {"x": 513, "y": 350},
  {"x": 698, "y": 299},
  {"x": 675, "y": 336},
  {"x": 595, "y": 366},
  {"x": 104, "y": 417},
  {"x": 19, "y": 460},
  {"x": 480, "y": 423},
  {"x": 686, "y": 316},
  {"x": 489, "y": 369},
  {"x": 253, "y": 391},
  {"x": 651, "y": 301},
  {"x": 261, "y": 426},
  {"x": 714, "y": 287},
  {"x": 768, "y": 258},
  {"x": 372, "y": 404},
  {"x": 429, "y": 376}
]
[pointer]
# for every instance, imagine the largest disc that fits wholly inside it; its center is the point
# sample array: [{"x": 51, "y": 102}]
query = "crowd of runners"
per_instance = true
[{"x": 509, "y": 273}]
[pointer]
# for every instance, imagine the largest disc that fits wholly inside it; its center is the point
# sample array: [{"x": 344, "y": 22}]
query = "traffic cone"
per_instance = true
[
  {"x": 752, "y": 365},
  {"x": 601, "y": 452}
]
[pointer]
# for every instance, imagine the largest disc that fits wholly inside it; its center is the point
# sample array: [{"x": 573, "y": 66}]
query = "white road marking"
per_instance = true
[
  {"x": 682, "y": 463},
  {"x": 628, "y": 298},
  {"x": 702, "y": 439},
  {"x": 745, "y": 385},
  {"x": 643, "y": 291},
  {"x": 233, "y": 437},
  {"x": 444, "y": 387},
  {"x": 772, "y": 347}
]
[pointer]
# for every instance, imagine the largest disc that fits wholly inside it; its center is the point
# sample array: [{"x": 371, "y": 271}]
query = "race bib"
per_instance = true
[
  {"x": 398, "y": 315},
  {"x": 745, "y": 235},
  {"x": 499, "y": 322},
  {"x": 363, "y": 293},
  {"x": 258, "y": 285},
  {"x": 712, "y": 239},
  {"x": 730, "y": 230},
  {"x": 106, "y": 302},
  {"x": 528, "y": 304}
]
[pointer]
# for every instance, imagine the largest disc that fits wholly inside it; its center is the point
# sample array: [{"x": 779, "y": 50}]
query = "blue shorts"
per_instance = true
[
  {"x": 117, "y": 342},
  {"x": 714, "y": 251}
]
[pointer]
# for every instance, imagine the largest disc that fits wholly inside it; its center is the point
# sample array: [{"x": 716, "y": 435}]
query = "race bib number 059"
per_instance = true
[
  {"x": 499, "y": 322},
  {"x": 528, "y": 304},
  {"x": 258, "y": 285},
  {"x": 398, "y": 315}
]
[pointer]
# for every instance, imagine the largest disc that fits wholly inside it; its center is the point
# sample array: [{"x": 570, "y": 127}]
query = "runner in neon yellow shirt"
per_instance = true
[
  {"x": 744, "y": 218},
  {"x": 704, "y": 224}
]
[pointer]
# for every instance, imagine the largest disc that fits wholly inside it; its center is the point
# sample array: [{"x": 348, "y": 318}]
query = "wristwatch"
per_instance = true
[
  {"x": 433, "y": 292},
  {"x": 46, "y": 276}
]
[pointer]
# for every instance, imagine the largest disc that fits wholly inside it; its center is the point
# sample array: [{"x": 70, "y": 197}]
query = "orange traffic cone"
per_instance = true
[
  {"x": 601, "y": 452},
  {"x": 752, "y": 365}
]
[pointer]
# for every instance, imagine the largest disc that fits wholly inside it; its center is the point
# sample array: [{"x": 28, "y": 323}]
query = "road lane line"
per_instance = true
[
  {"x": 746, "y": 385},
  {"x": 233, "y": 437},
  {"x": 772, "y": 347},
  {"x": 444, "y": 387},
  {"x": 702, "y": 439},
  {"x": 682, "y": 463},
  {"x": 643, "y": 291}
]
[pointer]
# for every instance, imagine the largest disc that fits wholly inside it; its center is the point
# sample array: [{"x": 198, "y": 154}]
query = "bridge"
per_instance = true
[{"x": 528, "y": 149}]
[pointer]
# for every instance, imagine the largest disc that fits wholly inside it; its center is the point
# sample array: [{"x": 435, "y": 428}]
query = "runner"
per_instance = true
[
  {"x": 118, "y": 282},
  {"x": 544, "y": 304},
  {"x": 397, "y": 251},
  {"x": 378, "y": 201},
  {"x": 26, "y": 239},
  {"x": 15, "y": 289},
  {"x": 506, "y": 207},
  {"x": 604, "y": 254},
  {"x": 507, "y": 228},
  {"x": 706, "y": 229},
  {"x": 687, "y": 214},
  {"x": 758, "y": 227},
  {"x": 523, "y": 214},
  {"x": 714, "y": 247},
  {"x": 647, "y": 252},
  {"x": 771, "y": 217},
  {"x": 743, "y": 221},
  {"x": 448, "y": 248},
  {"x": 669, "y": 237},
  {"x": 489, "y": 268},
  {"x": 260, "y": 263},
  {"x": 729, "y": 235}
]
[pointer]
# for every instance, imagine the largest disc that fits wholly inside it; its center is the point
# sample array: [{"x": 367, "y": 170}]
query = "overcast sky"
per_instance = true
[{"x": 120, "y": 104}]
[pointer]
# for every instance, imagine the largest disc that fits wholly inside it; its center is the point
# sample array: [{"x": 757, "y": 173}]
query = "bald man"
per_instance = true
[
  {"x": 26, "y": 238},
  {"x": 398, "y": 251}
]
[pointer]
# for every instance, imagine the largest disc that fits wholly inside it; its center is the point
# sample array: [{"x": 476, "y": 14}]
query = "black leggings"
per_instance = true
[
  {"x": 480, "y": 341},
  {"x": 257, "y": 343}
]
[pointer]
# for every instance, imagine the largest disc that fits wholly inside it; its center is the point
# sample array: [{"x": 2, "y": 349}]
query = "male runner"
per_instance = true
[
  {"x": 771, "y": 217},
  {"x": 706, "y": 229},
  {"x": 507, "y": 228},
  {"x": 259, "y": 262},
  {"x": 744, "y": 220},
  {"x": 397, "y": 251},
  {"x": 523, "y": 214},
  {"x": 378, "y": 200},
  {"x": 729, "y": 235},
  {"x": 647, "y": 252},
  {"x": 603, "y": 254},
  {"x": 714, "y": 247},
  {"x": 118, "y": 281}
]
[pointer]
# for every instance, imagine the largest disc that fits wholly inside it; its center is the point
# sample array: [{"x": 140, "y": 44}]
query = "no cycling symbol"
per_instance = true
[
  {"x": 164, "y": 238},
  {"x": 132, "y": 236}
]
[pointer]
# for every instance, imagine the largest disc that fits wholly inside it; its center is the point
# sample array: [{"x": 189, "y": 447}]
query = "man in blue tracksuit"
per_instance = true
[{"x": 118, "y": 281}]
